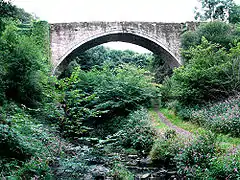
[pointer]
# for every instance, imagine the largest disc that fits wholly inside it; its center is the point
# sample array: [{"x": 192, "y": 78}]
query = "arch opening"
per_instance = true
[{"x": 144, "y": 42}]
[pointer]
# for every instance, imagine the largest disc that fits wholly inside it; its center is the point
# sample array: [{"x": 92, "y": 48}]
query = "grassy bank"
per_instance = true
[{"x": 225, "y": 140}]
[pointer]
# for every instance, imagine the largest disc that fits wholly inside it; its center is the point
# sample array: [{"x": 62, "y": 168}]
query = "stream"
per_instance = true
[{"x": 96, "y": 164}]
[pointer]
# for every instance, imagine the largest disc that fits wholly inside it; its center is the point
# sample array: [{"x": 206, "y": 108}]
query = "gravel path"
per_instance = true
[{"x": 172, "y": 126}]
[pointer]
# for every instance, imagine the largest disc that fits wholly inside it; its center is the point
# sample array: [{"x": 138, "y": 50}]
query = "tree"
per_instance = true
[
  {"x": 9, "y": 11},
  {"x": 160, "y": 68},
  {"x": 234, "y": 14},
  {"x": 97, "y": 56},
  {"x": 214, "y": 10},
  {"x": 224, "y": 34},
  {"x": 210, "y": 74},
  {"x": 24, "y": 65},
  {"x": 101, "y": 94}
]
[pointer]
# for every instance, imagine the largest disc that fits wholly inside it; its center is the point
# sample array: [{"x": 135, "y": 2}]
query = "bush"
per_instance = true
[
  {"x": 10, "y": 12},
  {"x": 2, "y": 82},
  {"x": 26, "y": 147},
  {"x": 221, "y": 117},
  {"x": 104, "y": 94},
  {"x": 137, "y": 132},
  {"x": 190, "y": 39},
  {"x": 75, "y": 106},
  {"x": 165, "y": 148},
  {"x": 119, "y": 172},
  {"x": 23, "y": 65},
  {"x": 12, "y": 144},
  {"x": 35, "y": 168},
  {"x": 195, "y": 158},
  {"x": 186, "y": 114},
  {"x": 226, "y": 166},
  {"x": 217, "y": 32},
  {"x": 96, "y": 58},
  {"x": 123, "y": 88},
  {"x": 160, "y": 68},
  {"x": 211, "y": 70},
  {"x": 204, "y": 78}
]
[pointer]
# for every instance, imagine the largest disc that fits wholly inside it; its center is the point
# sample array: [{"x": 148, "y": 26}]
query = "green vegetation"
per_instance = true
[
  {"x": 39, "y": 112},
  {"x": 199, "y": 90},
  {"x": 105, "y": 93},
  {"x": 98, "y": 56},
  {"x": 156, "y": 120},
  {"x": 222, "y": 117},
  {"x": 200, "y": 157},
  {"x": 27, "y": 146},
  {"x": 214, "y": 33},
  {"x": 203, "y": 95},
  {"x": 189, "y": 126},
  {"x": 92, "y": 121},
  {"x": 193, "y": 127},
  {"x": 206, "y": 75},
  {"x": 22, "y": 52},
  {"x": 210, "y": 72},
  {"x": 138, "y": 132},
  {"x": 224, "y": 10},
  {"x": 120, "y": 172},
  {"x": 166, "y": 147}
]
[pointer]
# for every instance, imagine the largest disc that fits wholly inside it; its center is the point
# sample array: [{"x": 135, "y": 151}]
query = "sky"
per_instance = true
[
  {"x": 59, "y": 11},
  {"x": 110, "y": 10}
]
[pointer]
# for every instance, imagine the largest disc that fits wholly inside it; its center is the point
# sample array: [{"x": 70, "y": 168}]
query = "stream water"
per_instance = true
[
  {"x": 142, "y": 167},
  {"x": 91, "y": 163}
]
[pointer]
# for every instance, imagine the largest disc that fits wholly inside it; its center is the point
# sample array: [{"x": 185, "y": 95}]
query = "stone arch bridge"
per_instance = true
[{"x": 160, "y": 38}]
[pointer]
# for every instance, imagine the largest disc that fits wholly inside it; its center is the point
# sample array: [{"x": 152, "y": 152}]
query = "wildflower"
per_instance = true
[{"x": 235, "y": 170}]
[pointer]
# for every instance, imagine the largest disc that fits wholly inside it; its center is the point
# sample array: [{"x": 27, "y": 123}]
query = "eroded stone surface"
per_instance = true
[{"x": 160, "y": 38}]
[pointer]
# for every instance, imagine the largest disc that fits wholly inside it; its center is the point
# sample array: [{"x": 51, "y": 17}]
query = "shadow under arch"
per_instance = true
[{"x": 140, "y": 40}]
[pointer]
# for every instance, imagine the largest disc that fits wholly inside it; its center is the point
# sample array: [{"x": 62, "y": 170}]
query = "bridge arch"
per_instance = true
[
  {"x": 142, "y": 40},
  {"x": 158, "y": 37}
]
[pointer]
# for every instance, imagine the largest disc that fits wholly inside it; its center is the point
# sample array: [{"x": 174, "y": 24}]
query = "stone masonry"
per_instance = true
[{"x": 160, "y": 38}]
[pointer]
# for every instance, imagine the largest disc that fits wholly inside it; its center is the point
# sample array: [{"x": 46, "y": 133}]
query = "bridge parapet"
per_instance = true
[{"x": 156, "y": 36}]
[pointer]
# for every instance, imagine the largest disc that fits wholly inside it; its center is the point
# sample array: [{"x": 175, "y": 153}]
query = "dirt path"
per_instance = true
[{"x": 172, "y": 126}]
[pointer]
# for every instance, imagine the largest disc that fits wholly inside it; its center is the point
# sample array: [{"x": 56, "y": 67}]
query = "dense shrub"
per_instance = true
[
  {"x": 195, "y": 158},
  {"x": 209, "y": 75},
  {"x": 24, "y": 66},
  {"x": 165, "y": 148},
  {"x": 75, "y": 105},
  {"x": 12, "y": 145},
  {"x": 234, "y": 14},
  {"x": 103, "y": 94},
  {"x": 217, "y": 32},
  {"x": 225, "y": 166},
  {"x": 10, "y": 12},
  {"x": 160, "y": 68},
  {"x": 2, "y": 82},
  {"x": 131, "y": 134},
  {"x": 189, "y": 39},
  {"x": 202, "y": 158},
  {"x": 222, "y": 116},
  {"x": 25, "y": 144},
  {"x": 137, "y": 132},
  {"x": 211, "y": 70},
  {"x": 120, "y": 172},
  {"x": 122, "y": 89},
  {"x": 98, "y": 56}
]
